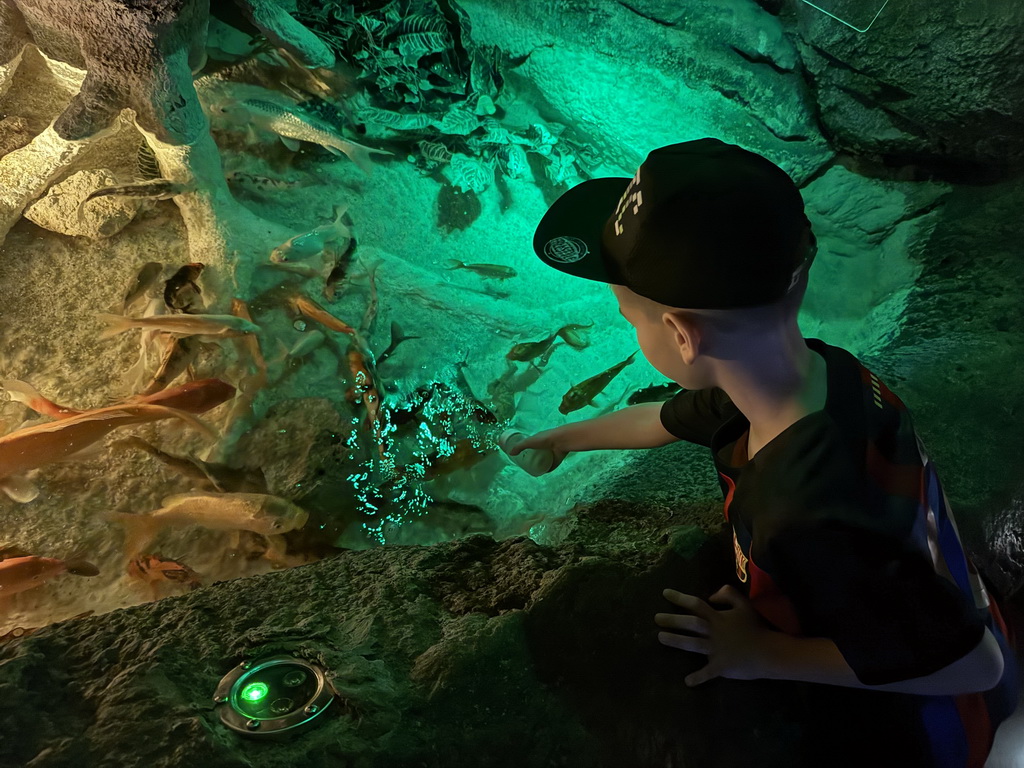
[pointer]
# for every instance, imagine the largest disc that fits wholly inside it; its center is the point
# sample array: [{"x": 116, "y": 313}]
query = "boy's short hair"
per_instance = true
[{"x": 703, "y": 225}]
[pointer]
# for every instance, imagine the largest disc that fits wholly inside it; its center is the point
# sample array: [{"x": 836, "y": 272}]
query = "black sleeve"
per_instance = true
[
  {"x": 890, "y": 614},
  {"x": 695, "y": 414}
]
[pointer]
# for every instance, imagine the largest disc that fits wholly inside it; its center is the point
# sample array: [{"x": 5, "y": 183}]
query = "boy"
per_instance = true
[{"x": 849, "y": 567}]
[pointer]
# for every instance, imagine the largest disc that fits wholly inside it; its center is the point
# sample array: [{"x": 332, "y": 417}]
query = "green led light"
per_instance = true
[{"x": 254, "y": 692}]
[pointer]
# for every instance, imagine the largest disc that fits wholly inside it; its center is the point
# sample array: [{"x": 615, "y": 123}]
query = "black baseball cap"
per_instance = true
[{"x": 702, "y": 225}]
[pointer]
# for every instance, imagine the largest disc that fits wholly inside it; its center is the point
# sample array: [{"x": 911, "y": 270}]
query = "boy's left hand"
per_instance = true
[{"x": 734, "y": 639}]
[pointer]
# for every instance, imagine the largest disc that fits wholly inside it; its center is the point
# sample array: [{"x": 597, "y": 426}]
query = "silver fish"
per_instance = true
[{"x": 293, "y": 128}]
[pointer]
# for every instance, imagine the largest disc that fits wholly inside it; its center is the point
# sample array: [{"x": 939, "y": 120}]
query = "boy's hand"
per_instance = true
[
  {"x": 546, "y": 440},
  {"x": 734, "y": 640}
]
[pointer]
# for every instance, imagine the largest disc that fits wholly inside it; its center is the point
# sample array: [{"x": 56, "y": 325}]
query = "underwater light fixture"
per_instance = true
[
  {"x": 277, "y": 695},
  {"x": 843, "y": 21}
]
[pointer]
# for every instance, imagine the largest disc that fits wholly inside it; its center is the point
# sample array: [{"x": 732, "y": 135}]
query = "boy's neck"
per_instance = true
[{"x": 774, "y": 383}]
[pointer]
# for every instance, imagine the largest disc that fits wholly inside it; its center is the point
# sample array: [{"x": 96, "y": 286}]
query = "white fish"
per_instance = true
[
  {"x": 218, "y": 326},
  {"x": 258, "y": 512},
  {"x": 293, "y": 128},
  {"x": 312, "y": 243}
]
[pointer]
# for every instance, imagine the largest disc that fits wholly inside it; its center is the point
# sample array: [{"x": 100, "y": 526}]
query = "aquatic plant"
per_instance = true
[{"x": 428, "y": 85}]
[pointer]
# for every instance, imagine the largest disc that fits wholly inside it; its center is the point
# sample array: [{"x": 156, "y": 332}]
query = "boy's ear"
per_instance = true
[{"x": 686, "y": 332}]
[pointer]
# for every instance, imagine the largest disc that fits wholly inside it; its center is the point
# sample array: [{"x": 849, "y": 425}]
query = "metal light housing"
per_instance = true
[{"x": 275, "y": 696}]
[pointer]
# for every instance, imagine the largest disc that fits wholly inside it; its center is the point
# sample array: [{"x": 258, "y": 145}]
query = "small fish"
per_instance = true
[
  {"x": 293, "y": 128},
  {"x": 153, "y": 189},
  {"x": 573, "y": 336},
  {"x": 309, "y": 308},
  {"x": 397, "y": 337},
  {"x": 181, "y": 290},
  {"x": 35, "y": 446},
  {"x": 211, "y": 326},
  {"x": 309, "y": 343},
  {"x": 342, "y": 262},
  {"x": 360, "y": 363},
  {"x": 145, "y": 280},
  {"x": 210, "y": 476},
  {"x": 654, "y": 394},
  {"x": 179, "y": 353},
  {"x": 528, "y": 350},
  {"x": 505, "y": 391},
  {"x": 153, "y": 570},
  {"x": 464, "y": 456},
  {"x": 195, "y": 397},
  {"x": 366, "y": 326},
  {"x": 18, "y": 574},
  {"x": 301, "y": 268},
  {"x": 255, "y": 183},
  {"x": 250, "y": 355},
  {"x": 410, "y": 410},
  {"x": 582, "y": 394},
  {"x": 148, "y": 343},
  {"x": 480, "y": 412},
  {"x": 257, "y": 512},
  {"x": 486, "y": 271},
  {"x": 312, "y": 243}
]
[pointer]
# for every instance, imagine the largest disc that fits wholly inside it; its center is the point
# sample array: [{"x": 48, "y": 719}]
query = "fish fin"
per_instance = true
[
  {"x": 139, "y": 530},
  {"x": 357, "y": 154},
  {"x": 340, "y": 211},
  {"x": 19, "y": 489},
  {"x": 454, "y": 264},
  {"x": 133, "y": 441},
  {"x": 115, "y": 324},
  {"x": 24, "y": 393},
  {"x": 333, "y": 150},
  {"x": 89, "y": 452},
  {"x": 292, "y": 144},
  {"x": 168, "y": 412},
  {"x": 203, "y": 467}
]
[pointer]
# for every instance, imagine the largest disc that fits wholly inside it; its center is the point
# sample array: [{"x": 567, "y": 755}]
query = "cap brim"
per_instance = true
[{"x": 568, "y": 237}]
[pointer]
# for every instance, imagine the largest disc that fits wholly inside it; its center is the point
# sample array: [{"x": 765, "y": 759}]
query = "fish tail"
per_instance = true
[
  {"x": 397, "y": 335},
  {"x": 23, "y": 392},
  {"x": 19, "y": 489},
  {"x": 454, "y": 264},
  {"x": 115, "y": 324},
  {"x": 358, "y": 155},
  {"x": 78, "y": 566}
]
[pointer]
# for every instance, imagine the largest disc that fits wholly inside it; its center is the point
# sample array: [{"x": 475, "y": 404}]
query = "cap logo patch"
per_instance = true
[
  {"x": 565, "y": 249},
  {"x": 629, "y": 198}
]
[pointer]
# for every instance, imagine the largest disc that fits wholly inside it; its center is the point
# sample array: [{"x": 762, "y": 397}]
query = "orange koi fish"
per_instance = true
[
  {"x": 18, "y": 574},
  {"x": 35, "y": 446}
]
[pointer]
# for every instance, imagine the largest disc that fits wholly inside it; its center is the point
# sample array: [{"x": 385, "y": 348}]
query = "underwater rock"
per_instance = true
[
  {"x": 58, "y": 210},
  {"x": 456, "y": 209},
  {"x": 14, "y": 134},
  {"x": 935, "y": 84}
]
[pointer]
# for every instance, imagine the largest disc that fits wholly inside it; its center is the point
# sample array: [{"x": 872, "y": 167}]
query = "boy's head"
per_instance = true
[{"x": 706, "y": 237}]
